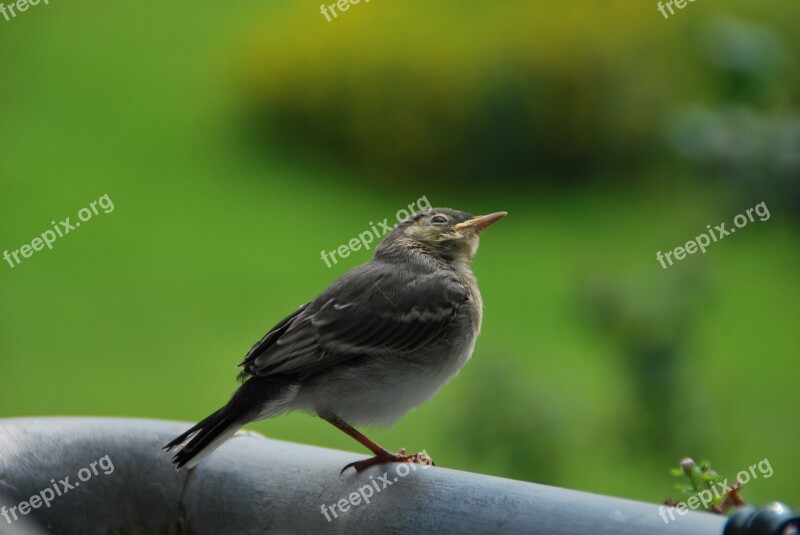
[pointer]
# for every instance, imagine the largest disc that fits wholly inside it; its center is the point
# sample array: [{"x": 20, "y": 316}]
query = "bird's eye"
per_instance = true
[{"x": 439, "y": 219}]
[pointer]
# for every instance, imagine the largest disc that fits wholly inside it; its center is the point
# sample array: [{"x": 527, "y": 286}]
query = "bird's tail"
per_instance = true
[{"x": 257, "y": 398}]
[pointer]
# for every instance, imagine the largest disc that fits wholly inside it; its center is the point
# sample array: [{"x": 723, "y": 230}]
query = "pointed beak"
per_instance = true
[{"x": 480, "y": 223}]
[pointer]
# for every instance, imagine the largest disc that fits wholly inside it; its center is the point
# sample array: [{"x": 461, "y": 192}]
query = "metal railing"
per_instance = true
[{"x": 102, "y": 475}]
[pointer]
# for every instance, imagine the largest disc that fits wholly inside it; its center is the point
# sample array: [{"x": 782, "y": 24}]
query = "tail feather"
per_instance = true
[
  {"x": 204, "y": 438},
  {"x": 256, "y": 398},
  {"x": 177, "y": 441}
]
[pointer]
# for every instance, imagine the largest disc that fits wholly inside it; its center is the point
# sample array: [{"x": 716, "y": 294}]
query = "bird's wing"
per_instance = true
[
  {"x": 375, "y": 309},
  {"x": 272, "y": 336}
]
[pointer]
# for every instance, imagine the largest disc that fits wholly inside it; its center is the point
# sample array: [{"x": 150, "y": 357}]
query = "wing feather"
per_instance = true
[{"x": 376, "y": 309}]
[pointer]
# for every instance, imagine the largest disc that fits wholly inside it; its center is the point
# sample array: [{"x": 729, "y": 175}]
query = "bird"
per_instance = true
[{"x": 380, "y": 340}]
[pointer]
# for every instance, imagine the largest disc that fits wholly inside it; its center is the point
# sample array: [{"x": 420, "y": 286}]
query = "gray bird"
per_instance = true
[{"x": 380, "y": 340}]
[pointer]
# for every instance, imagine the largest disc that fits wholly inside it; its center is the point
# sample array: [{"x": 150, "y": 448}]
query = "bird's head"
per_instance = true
[{"x": 447, "y": 234}]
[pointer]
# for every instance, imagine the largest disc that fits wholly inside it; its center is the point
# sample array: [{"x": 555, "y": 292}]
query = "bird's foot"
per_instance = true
[{"x": 389, "y": 457}]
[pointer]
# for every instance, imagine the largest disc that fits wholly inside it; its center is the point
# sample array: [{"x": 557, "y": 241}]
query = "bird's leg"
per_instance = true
[{"x": 382, "y": 455}]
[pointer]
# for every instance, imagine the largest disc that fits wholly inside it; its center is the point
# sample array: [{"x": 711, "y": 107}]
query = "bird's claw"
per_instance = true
[{"x": 399, "y": 457}]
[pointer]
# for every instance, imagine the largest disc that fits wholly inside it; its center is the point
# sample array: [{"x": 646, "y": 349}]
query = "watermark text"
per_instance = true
[
  {"x": 59, "y": 230},
  {"x": 702, "y": 241}
]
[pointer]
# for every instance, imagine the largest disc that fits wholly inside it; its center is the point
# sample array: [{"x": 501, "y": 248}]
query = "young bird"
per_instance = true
[{"x": 380, "y": 340}]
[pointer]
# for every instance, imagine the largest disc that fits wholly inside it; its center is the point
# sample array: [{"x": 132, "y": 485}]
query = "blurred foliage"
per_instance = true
[
  {"x": 397, "y": 93},
  {"x": 650, "y": 325},
  {"x": 748, "y": 134}
]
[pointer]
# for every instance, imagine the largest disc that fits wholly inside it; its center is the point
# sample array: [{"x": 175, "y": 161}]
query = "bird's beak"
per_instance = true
[{"x": 481, "y": 222}]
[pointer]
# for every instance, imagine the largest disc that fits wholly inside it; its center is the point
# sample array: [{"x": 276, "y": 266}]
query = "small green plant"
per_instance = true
[{"x": 704, "y": 486}]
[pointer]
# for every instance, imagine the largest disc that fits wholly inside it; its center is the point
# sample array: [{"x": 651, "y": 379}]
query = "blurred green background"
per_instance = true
[{"x": 239, "y": 140}]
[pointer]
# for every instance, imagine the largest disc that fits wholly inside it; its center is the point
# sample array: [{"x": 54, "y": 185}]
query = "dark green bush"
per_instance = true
[{"x": 460, "y": 91}]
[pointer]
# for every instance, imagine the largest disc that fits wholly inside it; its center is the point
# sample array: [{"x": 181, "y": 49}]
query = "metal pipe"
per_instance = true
[{"x": 119, "y": 481}]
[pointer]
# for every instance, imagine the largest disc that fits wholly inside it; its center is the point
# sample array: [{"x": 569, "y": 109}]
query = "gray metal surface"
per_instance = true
[{"x": 256, "y": 485}]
